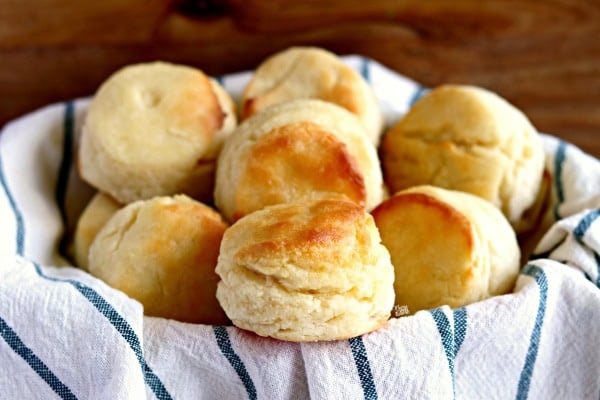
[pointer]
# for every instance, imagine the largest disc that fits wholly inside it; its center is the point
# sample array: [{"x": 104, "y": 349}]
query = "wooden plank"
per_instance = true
[{"x": 59, "y": 22}]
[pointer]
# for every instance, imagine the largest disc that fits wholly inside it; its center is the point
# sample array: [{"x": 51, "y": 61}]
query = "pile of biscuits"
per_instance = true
[{"x": 284, "y": 224}]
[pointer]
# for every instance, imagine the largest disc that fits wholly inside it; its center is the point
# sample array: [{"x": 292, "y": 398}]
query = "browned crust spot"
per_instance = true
[
  {"x": 448, "y": 213},
  {"x": 300, "y": 229},
  {"x": 294, "y": 162}
]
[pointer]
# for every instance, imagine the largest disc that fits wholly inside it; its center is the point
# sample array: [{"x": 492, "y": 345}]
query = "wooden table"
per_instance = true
[{"x": 542, "y": 56}]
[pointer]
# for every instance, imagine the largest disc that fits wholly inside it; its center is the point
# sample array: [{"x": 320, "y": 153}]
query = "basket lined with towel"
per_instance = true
[{"x": 68, "y": 335}]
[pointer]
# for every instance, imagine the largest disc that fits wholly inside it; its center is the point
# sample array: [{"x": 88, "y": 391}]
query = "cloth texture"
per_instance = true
[{"x": 65, "y": 334}]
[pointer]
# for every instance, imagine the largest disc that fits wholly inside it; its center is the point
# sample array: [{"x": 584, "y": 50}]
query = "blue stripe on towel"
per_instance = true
[
  {"x": 20, "y": 234},
  {"x": 534, "y": 342},
  {"x": 365, "y": 70},
  {"x": 235, "y": 361},
  {"x": 40, "y": 368},
  {"x": 121, "y": 325},
  {"x": 460, "y": 327},
  {"x": 447, "y": 336},
  {"x": 585, "y": 223},
  {"x": 419, "y": 92},
  {"x": 363, "y": 366},
  {"x": 580, "y": 231},
  {"x": 559, "y": 160},
  {"x": 597, "y": 258},
  {"x": 64, "y": 170}
]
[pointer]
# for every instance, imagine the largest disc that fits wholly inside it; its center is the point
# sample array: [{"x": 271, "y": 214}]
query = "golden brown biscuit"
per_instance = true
[
  {"x": 311, "y": 72},
  {"x": 98, "y": 211},
  {"x": 447, "y": 247},
  {"x": 468, "y": 139},
  {"x": 303, "y": 149},
  {"x": 155, "y": 129},
  {"x": 163, "y": 252},
  {"x": 305, "y": 272}
]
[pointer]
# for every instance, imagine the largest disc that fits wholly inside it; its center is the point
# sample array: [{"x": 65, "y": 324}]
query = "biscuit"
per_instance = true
[
  {"x": 306, "y": 272},
  {"x": 447, "y": 247},
  {"x": 311, "y": 72},
  {"x": 302, "y": 149},
  {"x": 163, "y": 252},
  {"x": 97, "y": 212},
  {"x": 155, "y": 129},
  {"x": 469, "y": 139}
]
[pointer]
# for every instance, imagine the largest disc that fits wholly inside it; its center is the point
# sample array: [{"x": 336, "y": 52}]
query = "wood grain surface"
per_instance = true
[{"x": 543, "y": 56}]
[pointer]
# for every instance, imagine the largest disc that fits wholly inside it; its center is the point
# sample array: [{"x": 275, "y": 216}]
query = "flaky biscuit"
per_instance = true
[
  {"x": 155, "y": 129},
  {"x": 447, "y": 247},
  {"x": 469, "y": 139},
  {"x": 95, "y": 215},
  {"x": 303, "y": 149},
  {"x": 163, "y": 252},
  {"x": 311, "y": 72},
  {"x": 305, "y": 272}
]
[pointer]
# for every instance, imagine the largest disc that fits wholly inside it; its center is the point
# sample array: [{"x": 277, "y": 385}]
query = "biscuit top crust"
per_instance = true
[
  {"x": 151, "y": 106},
  {"x": 465, "y": 115},
  {"x": 286, "y": 74},
  {"x": 312, "y": 73},
  {"x": 295, "y": 161},
  {"x": 296, "y": 151},
  {"x": 299, "y": 230}
]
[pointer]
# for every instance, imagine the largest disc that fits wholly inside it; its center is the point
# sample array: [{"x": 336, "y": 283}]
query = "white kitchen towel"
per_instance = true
[{"x": 65, "y": 334}]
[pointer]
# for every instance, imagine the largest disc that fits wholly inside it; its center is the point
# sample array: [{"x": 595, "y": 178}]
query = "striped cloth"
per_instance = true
[{"x": 65, "y": 334}]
